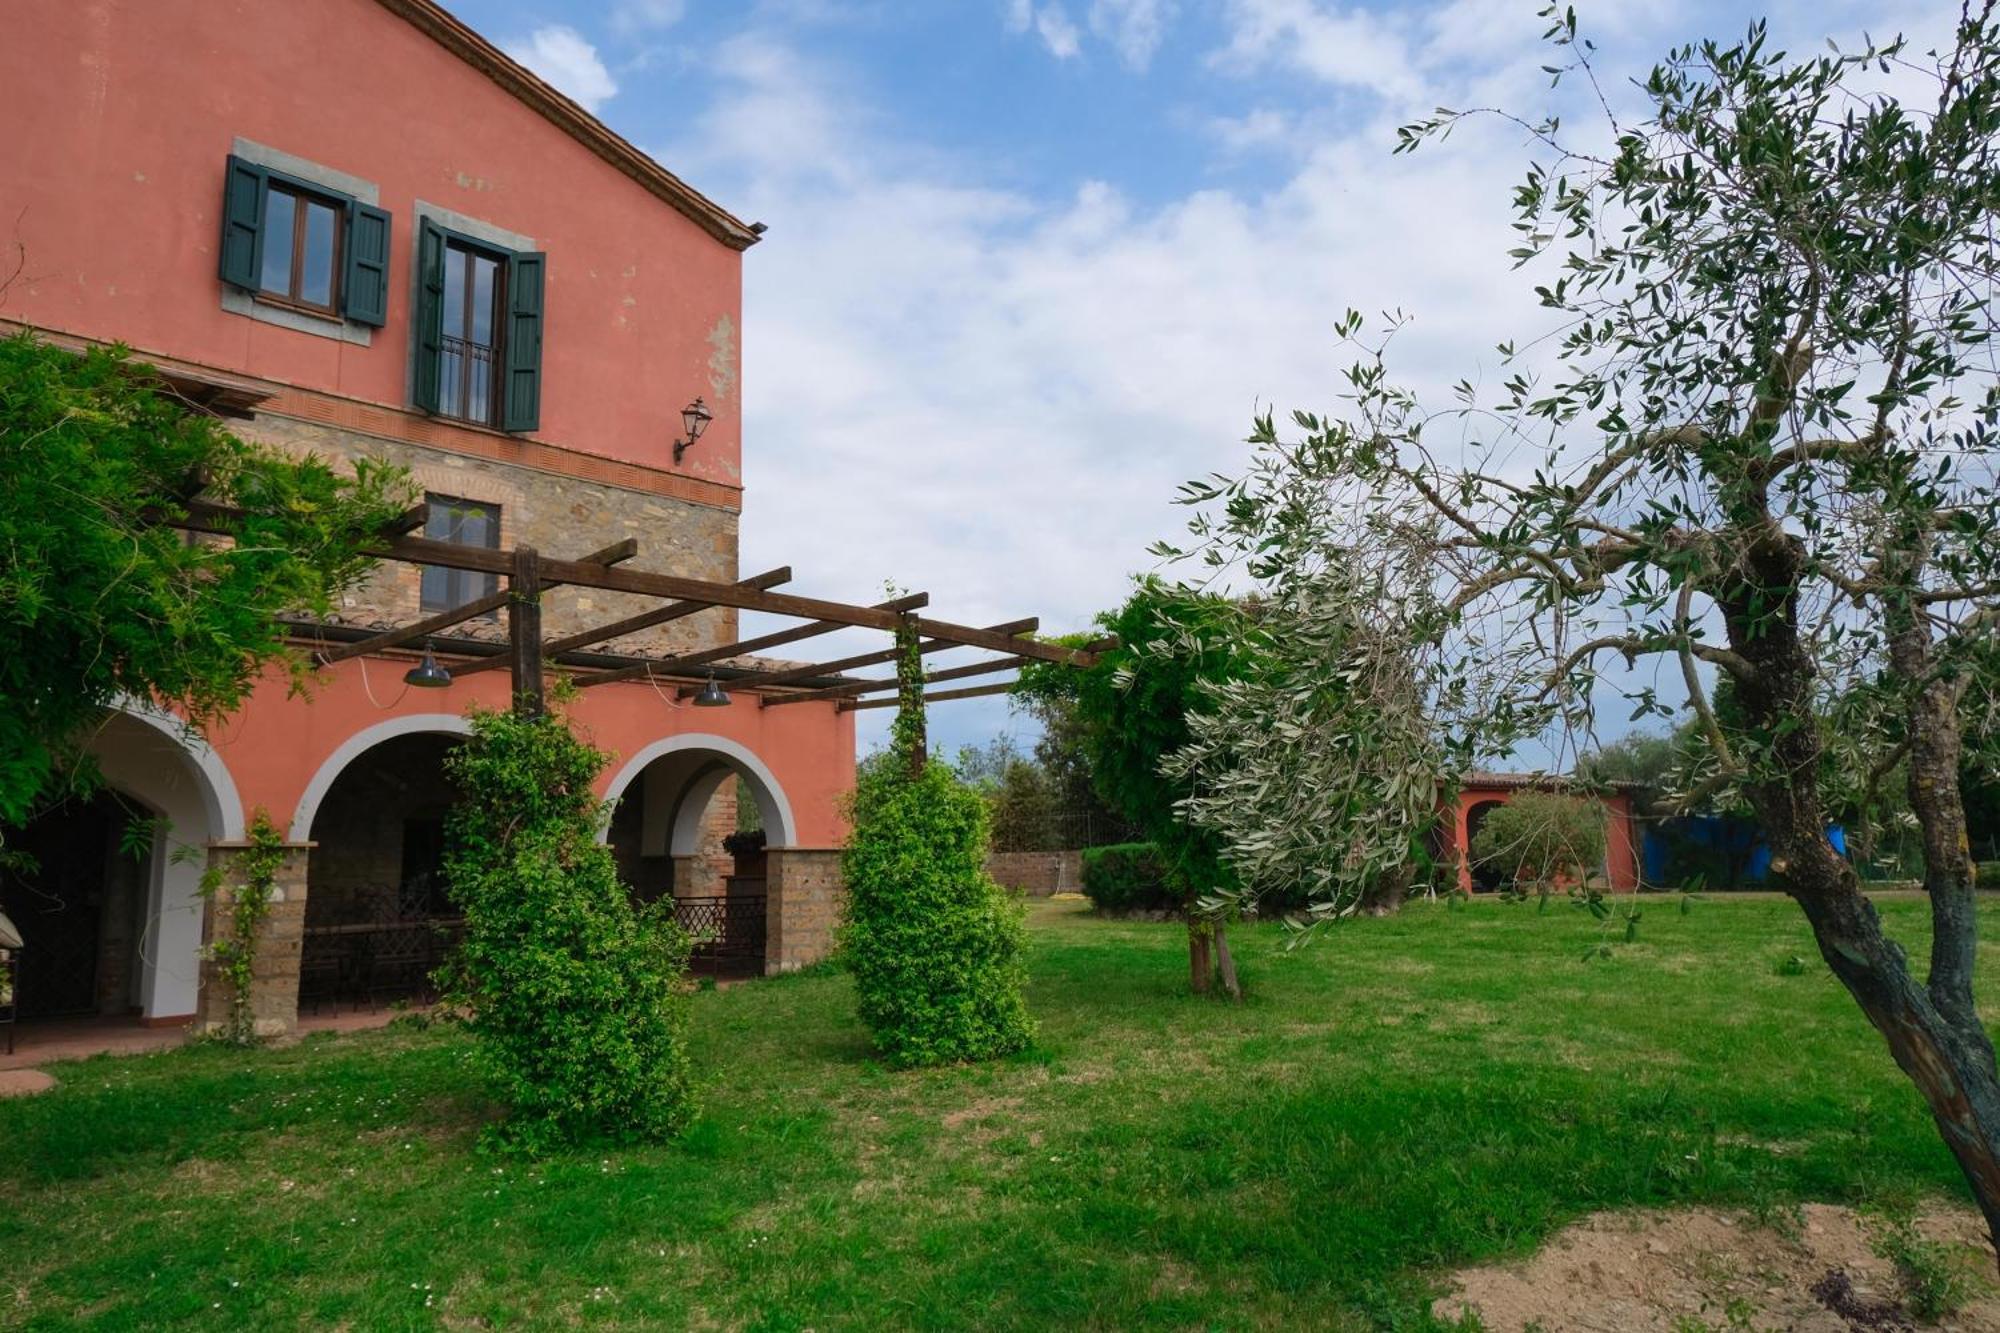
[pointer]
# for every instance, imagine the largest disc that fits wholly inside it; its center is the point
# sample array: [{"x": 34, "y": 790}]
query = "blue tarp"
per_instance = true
[{"x": 1723, "y": 851}]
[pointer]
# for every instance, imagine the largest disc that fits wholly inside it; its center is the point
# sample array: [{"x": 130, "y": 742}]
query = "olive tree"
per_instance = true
[{"x": 1758, "y": 449}]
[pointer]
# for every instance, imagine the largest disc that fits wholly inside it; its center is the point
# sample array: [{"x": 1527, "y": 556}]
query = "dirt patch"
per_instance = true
[
  {"x": 1697, "y": 1269},
  {"x": 986, "y": 1108}
]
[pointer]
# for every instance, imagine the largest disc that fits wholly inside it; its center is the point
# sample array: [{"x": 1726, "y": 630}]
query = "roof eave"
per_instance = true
[{"x": 566, "y": 115}]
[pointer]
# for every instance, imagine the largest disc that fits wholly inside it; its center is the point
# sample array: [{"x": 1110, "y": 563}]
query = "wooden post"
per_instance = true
[
  {"x": 909, "y": 730},
  {"x": 524, "y": 632}
]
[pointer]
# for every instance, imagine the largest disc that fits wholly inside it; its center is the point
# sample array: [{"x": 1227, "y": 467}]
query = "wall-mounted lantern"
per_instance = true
[{"x": 694, "y": 419}]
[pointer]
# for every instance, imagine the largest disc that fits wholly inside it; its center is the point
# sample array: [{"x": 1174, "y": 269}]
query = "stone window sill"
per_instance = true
[{"x": 287, "y": 316}]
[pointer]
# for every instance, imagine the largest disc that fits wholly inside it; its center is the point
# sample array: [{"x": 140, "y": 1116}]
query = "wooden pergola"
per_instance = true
[{"x": 529, "y": 656}]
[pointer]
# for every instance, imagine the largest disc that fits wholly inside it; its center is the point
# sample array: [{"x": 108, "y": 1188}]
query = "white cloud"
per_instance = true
[
  {"x": 1051, "y": 22},
  {"x": 993, "y": 397},
  {"x": 631, "y": 16},
  {"x": 564, "y": 58},
  {"x": 1341, "y": 45},
  {"x": 1135, "y": 28},
  {"x": 1260, "y": 128}
]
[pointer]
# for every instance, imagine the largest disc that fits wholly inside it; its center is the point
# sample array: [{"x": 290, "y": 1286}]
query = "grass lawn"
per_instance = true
[{"x": 1406, "y": 1096}]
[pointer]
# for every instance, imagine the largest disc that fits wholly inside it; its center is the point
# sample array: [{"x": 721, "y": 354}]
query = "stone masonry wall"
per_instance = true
[
  {"x": 805, "y": 895},
  {"x": 1037, "y": 874},
  {"x": 558, "y": 516},
  {"x": 274, "y": 988}
]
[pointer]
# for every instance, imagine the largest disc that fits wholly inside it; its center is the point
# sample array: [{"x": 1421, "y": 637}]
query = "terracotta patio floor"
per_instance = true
[{"x": 40, "y": 1042}]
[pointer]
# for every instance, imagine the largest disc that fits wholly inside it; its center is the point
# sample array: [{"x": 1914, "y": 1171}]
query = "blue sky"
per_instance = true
[{"x": 1034, "y": 262}]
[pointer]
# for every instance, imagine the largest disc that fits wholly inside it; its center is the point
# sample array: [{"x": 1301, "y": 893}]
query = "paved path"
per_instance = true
[{"x": 53, "y": 1040}]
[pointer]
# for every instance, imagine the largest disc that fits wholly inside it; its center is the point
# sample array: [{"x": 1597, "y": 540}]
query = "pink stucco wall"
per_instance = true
[
  {"x": 1621, "y": 844},
  {"x": 119, "y": 115},
  {"x": 274, "y": 748}
]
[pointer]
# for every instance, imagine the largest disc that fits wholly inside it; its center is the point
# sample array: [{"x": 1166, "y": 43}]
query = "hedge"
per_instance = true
[{"x": 1128, "y": 877}]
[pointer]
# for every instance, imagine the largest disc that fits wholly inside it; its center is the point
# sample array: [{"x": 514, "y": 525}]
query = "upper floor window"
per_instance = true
[
  {"x": 291, "y": 241},
  {"x": 463, "y": 523},
  {"x": 479, "y": 330},
  {"x": 302, "y": 237},
  {"x": 475, "y": 284}
]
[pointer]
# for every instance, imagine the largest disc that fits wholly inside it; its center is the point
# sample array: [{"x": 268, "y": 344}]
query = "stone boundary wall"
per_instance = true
[{"x": 1037, "y": 874}]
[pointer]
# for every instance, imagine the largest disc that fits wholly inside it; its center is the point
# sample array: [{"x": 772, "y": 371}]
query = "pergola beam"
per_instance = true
[
  {"x": 615, "y": 554},
  {"x": 630, "y": 624},
  {"x": 938, "y": 697},
  {"x": 1003, "y": 633},
  {"x": 478, "y": 606},
  {"x": 889, "y": 683},
  {"x": 776, "y": 639},
  {"x": 202, "y": 516},
  {"x": 422, "y": 629},
  {"x": 424, "y": 550}
]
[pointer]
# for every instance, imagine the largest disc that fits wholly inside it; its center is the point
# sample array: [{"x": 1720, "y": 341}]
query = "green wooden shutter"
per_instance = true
[
  {"x": 242, "y": 248},
  {"x": 521, "y": 409},
  {"x": 365, "y": 286},
  {"x": 429, "y": 321}
]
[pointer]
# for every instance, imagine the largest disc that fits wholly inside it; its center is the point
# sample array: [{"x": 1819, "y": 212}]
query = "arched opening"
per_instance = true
[
  {"x": 1484, "y": 880},
  {"x": 675, "y": 810},
  {"x": 78, "y": 899},
  {"x": 107, "y": 893},
  {"x": 378, "y": 921}
]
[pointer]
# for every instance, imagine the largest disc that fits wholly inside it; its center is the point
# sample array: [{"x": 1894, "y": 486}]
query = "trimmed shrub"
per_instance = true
[
  {"x": 577, "y": 999},
  {"x": 1541, "y": 838},
  {"x": 933, "y": 943},
  {"x": 1128, "y": 877}
]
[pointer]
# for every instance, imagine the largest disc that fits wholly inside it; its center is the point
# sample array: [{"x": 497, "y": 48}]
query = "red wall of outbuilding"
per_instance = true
[{"x": 1621, "y": 840}]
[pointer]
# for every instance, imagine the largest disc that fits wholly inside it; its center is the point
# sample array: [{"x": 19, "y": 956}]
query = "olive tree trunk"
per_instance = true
[
  {"x": 1932, "y": 1030},
  {"x": 1201, "y": 961}
]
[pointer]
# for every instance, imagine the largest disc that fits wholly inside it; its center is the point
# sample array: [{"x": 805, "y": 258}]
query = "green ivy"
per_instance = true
[
  {"x": 934, "y": 945},
  {"x": 907, "y": 734},
  {"x": 102, "y": 599},
  {"x": 578, "y": 1000},
  {"x": 233, "y": 958}
]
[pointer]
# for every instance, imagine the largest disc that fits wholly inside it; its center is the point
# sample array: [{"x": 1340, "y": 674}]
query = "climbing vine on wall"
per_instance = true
[{"x": 234, "y": 955}]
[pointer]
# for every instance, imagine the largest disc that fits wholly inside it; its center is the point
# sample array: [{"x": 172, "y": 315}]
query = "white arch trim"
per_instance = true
[
  {"x": 354, "y": 747},
  {"x": 217, "y": 788},
  {"x": 778, "y": 821}
]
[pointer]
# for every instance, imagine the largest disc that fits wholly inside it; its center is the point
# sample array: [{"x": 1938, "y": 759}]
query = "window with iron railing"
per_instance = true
[
  {"x": 478, "y": 326},
  {"x": 468, "y": 371}
]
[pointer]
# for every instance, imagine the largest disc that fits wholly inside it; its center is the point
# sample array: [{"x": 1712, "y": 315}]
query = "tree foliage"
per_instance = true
[
  {"x": 102, "y": 600},
  {"x": 934, "y": 945},
  {"x": 1134, "y": 707},
  {"x": 1764, "y": 453},
  {"x": 578, "y": 1000}
]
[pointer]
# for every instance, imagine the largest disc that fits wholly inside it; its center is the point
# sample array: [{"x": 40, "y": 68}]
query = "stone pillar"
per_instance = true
[
  {"x": 804, "y": 895},
  {"x": 274, "y": 989}
]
